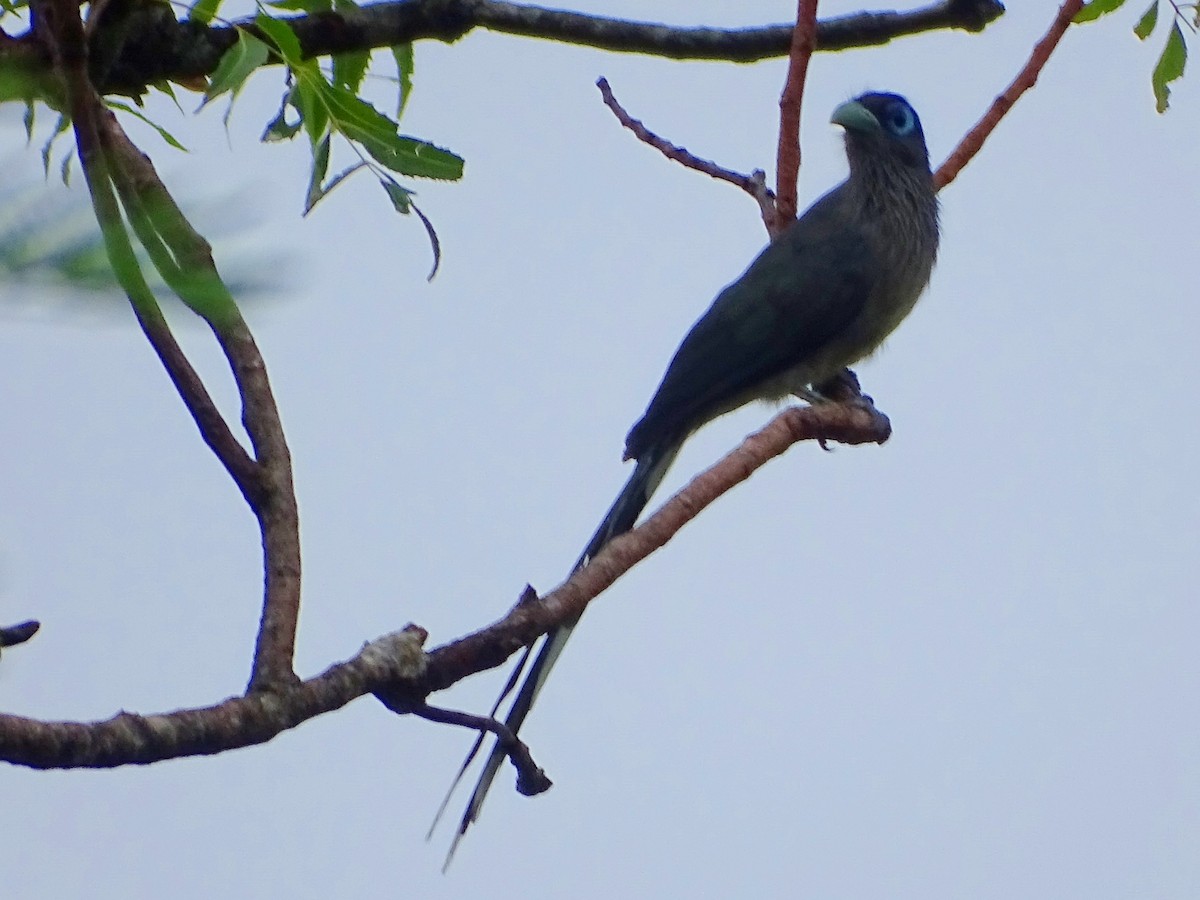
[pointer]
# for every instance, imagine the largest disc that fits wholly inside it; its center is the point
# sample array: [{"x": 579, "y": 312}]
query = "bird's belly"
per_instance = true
[{"x": 857, "y": 342}]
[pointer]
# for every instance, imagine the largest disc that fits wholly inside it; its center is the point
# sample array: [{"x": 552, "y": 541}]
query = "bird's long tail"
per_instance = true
[{"x": 620, "y": 518}]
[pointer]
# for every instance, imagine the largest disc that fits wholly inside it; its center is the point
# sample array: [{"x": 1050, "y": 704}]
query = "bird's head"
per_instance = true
[{"x": 882, "y": 129}]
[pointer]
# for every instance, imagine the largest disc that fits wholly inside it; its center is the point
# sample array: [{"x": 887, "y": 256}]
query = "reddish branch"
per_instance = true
[
  {"x": 185, "y": 261},
  {"x": 848, "y": 423},
  {"x": 787, "y": 157},
  {"x": 393, "y": 667},
  {"x": 753, "y": 184},
  {"x": 972, "y": 142}
]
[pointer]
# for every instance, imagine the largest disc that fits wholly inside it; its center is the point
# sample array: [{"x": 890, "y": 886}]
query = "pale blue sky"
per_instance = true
[{"x": 960, "y": 665}]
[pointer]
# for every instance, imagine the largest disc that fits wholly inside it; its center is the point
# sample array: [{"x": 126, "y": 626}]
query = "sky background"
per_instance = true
[{"x": 962, "y": 664}]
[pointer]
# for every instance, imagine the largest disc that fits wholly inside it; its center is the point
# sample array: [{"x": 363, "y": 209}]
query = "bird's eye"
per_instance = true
[{"x": 901, "y": 119}]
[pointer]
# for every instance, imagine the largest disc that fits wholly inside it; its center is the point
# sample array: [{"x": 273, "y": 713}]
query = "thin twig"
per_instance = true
[
  {"x": 972, "y": 142},
  {"x": 787, "y": 157},
  {"x": 531, "y": 779},
  {"x": 182, "y": 52},
  {"x": 753, "y": 184}
]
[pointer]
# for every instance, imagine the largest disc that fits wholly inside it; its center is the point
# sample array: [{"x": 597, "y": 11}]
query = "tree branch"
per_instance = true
[
  {"x": 754, "y": 184},
  {"x": 787, "y": 156},
  {"x": 856, "y": 422},
  {"x": 184, "y": 258},
  {"x": 972, "y": 142},
  {"x": 182, "y": 51},
  {"x": 128, "y": 738},
  {"x": 393, "y": 668}
]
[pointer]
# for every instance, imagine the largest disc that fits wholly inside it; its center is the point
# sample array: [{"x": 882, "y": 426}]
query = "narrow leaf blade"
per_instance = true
[
  {"x": 1146, "y": 23},
  {"x": 203, "y": 11},
  {"x": 319, "y": 167},
  {"x": 349, "y": 69},
  {"x": 236, "y": 65},
  {"x": 403, "y": 54},
  {"x": 1170, "y": 67},
  {"x": 1096, "y": 9},
  {"x": 281, "y": 35}
]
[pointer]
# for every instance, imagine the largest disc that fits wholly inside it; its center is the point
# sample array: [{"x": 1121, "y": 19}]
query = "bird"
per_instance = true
[{"x": 824, "y": 294}]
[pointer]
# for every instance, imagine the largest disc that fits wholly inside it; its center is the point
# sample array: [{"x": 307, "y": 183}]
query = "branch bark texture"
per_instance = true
[
  {"x": 161, "y": 48},
  {"x": 394, "y": 668}
]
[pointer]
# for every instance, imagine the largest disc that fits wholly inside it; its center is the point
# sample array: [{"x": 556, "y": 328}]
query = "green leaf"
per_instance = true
[
  {"x": 361, "y": 122},
  {"x": 403, "y": 54},
  {"x": 308, "y": 100},
  {"x": 60, "y": 128},
  {"x": 1170, "y": 67},
  {"x": 279, "y": 128},
  {"x": 1096, "y": 9},
  {"x": 236, "y": 65},
  {"x": 165, "y": 88},
  {"x": 65, "y": 170},
  {"x": 319, "y": 167},
  {"x": 401, "y": 197},
  {"x": 162, "y": 132},
  {"x": 350, "y": 68},
  {"x": 281, "y": 35},
  {"x": 29, "y": 120},
  {"x": 203, "y": 11},
  {"x": 308, "y": 6},
  {"x": 1146, "y": 23}
]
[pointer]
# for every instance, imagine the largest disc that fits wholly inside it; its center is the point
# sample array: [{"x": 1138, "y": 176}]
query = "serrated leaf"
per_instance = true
[
  {"x": 319, "y": 167},
  {"x": 361, "y": 122},
  {"x": 308, "y": 100},
  {"x": 1170, "y": 67},
  {"x": 60, "y": 128},
  {"x": 203, "y": 11},
  {"x": 333, "y": 182},
  {"x": 279, "y": 128},
  {"x": 350, "y": 68},
  {"x": 403, "y": 54},
  {"x": 281, "y": 35},
  {"x": 1096, "y": 9},
  {"x": 162, "y": 132},
  {"x": 236, "y": 65},
  {"x": 1146, "y": 23}
]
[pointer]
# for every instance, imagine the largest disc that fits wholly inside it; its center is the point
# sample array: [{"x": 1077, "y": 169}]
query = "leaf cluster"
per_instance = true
[{"x": 1173, "y": 58}]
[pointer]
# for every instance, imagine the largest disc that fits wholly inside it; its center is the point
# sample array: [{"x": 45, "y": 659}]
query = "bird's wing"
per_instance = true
[{"x": 800, "y": 292}]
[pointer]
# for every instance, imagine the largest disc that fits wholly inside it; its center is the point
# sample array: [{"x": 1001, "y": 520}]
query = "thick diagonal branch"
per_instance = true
[
  {"x": 847, "y": 423},
  {"x": 393, "y": 667},
  {"x": 164, "y": 49}
]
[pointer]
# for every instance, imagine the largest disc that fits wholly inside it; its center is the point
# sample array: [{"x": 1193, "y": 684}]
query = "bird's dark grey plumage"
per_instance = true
[{"x": 821, "y": 296}]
